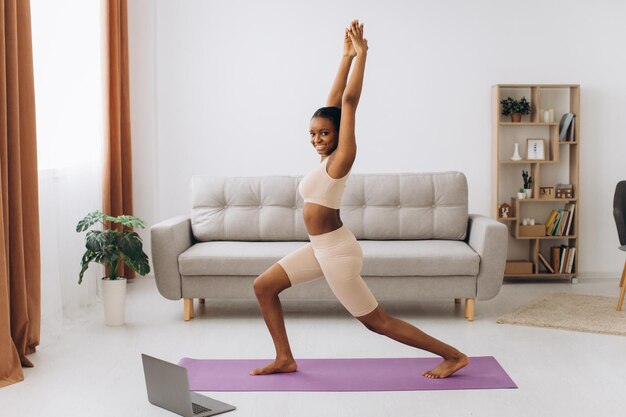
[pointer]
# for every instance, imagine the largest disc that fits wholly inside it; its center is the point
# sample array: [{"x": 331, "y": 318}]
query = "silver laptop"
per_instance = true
[{"x": 168, "y": 387}]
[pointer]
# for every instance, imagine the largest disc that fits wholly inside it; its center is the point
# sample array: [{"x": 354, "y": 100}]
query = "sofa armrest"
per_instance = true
[
  {"x": 489, "y": 238},
  {"x": 170, "y": 238}
]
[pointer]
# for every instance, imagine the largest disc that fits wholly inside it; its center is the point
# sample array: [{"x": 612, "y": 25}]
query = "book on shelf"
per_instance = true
[
  {"x": 568, "y": 256},
  {"x": 564, "y": 125},
  {"x": 550, "y": 220},
  {"x": 555, "y": 257},
  {"x": 559, "y": 222},
  {"x": 556, "y": 223},
  {"x": 571, "y": 208},
  {"x": 570, "y": 130},
  {"x": 570, "y": 261},
  {"x": 546, "y": 264},
  {"x": 563, "y": 252},
  {"x": 566, "y": 215},
  {"x": 562, "y": 258}
]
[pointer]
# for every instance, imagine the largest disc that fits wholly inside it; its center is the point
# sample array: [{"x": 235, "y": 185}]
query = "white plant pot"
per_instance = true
[
  {"x": 521, "y": 196},
  {"x": 529, "y": 192},
  {"x": 114, "y": 296}
]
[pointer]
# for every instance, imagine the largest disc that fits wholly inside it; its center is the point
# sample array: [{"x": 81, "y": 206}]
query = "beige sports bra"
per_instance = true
[{"x": 320, "y": 188}]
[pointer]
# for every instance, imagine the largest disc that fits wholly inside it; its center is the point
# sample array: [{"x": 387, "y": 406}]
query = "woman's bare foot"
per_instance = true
[
  {"x": 277, "y": 367},
  {"x": 447, "y": 367}
]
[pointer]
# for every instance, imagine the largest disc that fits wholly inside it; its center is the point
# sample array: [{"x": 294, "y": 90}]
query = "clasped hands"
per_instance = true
[{"x": 354, "y": 42}]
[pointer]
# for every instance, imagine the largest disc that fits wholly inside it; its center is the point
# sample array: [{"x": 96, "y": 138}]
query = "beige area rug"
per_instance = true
[{"x": 583, "y": 313}]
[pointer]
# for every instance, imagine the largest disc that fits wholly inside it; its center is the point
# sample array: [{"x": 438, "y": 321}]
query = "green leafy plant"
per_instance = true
[
  {"x": 521, "y": 190},
  {"x": 111, "y": 247},
  {"x": 510, "y": 106},
  {"x": 528, "y": 180}
]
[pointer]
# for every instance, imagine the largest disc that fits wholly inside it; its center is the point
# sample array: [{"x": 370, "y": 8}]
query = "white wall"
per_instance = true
[
  {"x": 227, "y": 88},
  {"x": 142, "y": 53}
]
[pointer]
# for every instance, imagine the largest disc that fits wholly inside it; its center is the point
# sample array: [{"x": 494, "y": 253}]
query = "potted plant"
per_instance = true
[
  {"x": 528, "y": 180},
  {"x": 521, "y": 194},
  {"x": 515, "y": 108},
  {"x": 113, "y": 248}
]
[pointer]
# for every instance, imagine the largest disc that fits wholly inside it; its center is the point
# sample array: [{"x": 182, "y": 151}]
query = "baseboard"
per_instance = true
[
  {"x": 147, "y": 276},
  {"x": 590, "y": 275}
]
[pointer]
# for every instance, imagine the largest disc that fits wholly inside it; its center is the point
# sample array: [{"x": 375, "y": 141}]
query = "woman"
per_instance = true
[{"x": 334, "y": 252}]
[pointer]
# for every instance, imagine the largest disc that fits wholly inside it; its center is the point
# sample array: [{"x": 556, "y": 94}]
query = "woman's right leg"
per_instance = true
[{"x": 267, "y": 286}]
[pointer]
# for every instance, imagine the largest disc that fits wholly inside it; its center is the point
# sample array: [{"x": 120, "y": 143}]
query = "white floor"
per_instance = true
[{"x": 96, "y": 370}]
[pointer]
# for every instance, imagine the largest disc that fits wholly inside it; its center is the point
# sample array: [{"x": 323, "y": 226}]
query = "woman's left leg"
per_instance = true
[{"x": 380, "y": 322}]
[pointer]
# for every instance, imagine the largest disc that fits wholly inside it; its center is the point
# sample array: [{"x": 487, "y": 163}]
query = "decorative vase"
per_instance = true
[
  {"x": 516, "y": 156},
  {"x": 516, "y": 117},
  {"x": 521, "y": 196},
  {"x": 528, "y": 192},
  {"x": 114, "y": 297}
]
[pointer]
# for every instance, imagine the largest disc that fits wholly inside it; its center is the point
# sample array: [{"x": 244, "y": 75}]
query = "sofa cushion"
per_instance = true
[
  {"x": 418, "y": 258},
  {"x": 247, "y": 208},
  {"x": 406, "y": 206},
  {"x": 232, "y": 257},
  {"x": 374, "y": 206},
  {"x": 381, "y": 258}
]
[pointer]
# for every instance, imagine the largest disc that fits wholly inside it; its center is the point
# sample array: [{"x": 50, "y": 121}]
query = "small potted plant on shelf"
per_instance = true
[
  {"x": 528, "y": 180},
  {"x": 113, "y": 248},
  {"x": 521, "y": 194},
  {"x": 515, "y": 108}
]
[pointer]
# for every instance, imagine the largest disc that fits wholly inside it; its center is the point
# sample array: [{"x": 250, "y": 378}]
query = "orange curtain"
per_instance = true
[
  {"x": 118, "y": 179},
  {"x": 20, "y": 269}
]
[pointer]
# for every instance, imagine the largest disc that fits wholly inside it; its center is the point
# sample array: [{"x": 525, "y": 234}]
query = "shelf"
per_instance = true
[
  {"x": 546, "y": 237},
  {"x": 544, "y": 200},
  {"x": 540, "y": 275},
  {"x": 513, "y": 86},
  {"x": 527, "y": 161},
  {"x": 562, "y": 165},
  {"x": 528, "y": 123}
]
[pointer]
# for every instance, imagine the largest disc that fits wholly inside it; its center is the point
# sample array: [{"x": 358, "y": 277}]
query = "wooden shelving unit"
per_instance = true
[{"x": 560, "y": 166}]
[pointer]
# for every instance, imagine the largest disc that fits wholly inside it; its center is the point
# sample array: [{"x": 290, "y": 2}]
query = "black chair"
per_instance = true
[{"x": 619, "y": 212}]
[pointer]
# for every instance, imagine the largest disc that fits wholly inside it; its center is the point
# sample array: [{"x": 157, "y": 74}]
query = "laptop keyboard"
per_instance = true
[{"x": 198, "y": 409}]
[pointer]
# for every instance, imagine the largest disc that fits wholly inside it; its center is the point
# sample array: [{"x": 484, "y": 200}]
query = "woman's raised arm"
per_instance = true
[
  {"x": 346, "y": 148},
  {"x": 352, "y": 93},
  {"x": 336, "y": 91}
]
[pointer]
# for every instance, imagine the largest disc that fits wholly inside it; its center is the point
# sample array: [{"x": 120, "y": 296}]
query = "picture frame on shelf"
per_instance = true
[{"x": 535, "y": 149}]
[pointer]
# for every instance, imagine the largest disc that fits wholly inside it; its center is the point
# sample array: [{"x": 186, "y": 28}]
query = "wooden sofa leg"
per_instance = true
[
  {"x": 202, "y": 301},
  {"x": 623, "y": 285},
  {"x": 469, "y": 309},
  {"x": 188, "y": 309}
]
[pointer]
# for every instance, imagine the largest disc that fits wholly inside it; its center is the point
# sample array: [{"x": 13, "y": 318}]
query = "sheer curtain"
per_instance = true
[{"x": 68, "y": 61}]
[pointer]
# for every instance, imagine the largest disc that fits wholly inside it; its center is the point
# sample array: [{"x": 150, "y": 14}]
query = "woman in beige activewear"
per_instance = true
[{"x": 333, "y": 251}]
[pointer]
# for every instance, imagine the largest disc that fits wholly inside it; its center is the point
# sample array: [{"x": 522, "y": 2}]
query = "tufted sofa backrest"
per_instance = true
[{"x": 374, "y": 206}]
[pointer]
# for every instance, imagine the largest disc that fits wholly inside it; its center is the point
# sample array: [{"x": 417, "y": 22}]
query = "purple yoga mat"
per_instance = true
[{"x": 380, "y": 374}]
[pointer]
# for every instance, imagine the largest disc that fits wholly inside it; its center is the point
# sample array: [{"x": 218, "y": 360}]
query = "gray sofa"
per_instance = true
[{"x": 417, "y": 237}]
